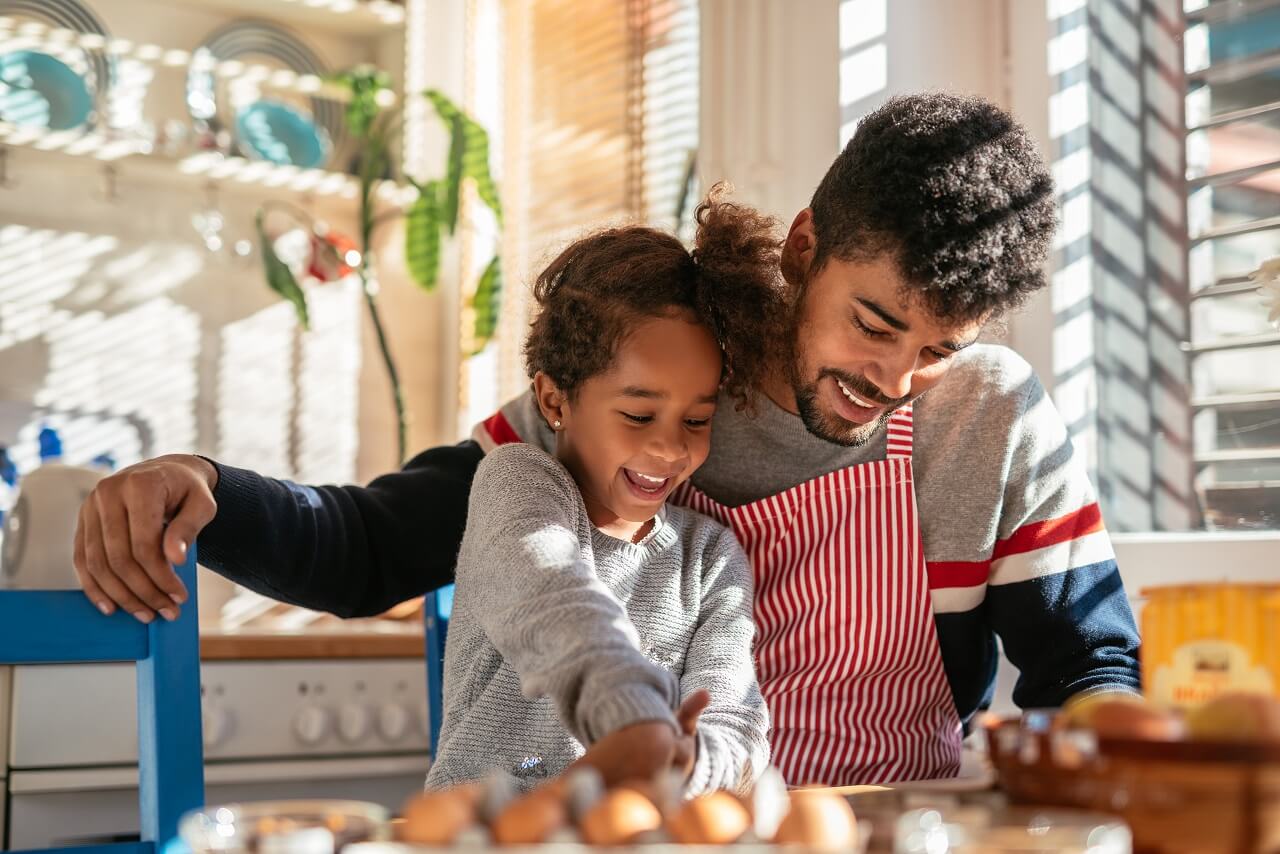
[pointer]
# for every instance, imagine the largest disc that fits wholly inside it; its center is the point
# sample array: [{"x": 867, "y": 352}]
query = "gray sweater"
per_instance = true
[
  {"x": 561, "y": 634},
  {"x": 1013, "y": 535}
]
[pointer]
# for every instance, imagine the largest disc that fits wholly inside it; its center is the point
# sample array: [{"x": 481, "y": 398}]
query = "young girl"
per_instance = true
[{"x": 585, "y": 605}]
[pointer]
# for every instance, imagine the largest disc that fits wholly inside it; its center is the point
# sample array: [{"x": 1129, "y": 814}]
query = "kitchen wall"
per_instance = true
[{"x": 119, "y": 325}]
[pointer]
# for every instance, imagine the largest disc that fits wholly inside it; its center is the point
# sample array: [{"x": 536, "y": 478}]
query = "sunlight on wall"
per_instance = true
[
  {"x": 328, "y": 384},
  {"x": 139, "y": 363},
  {"x": 864, "y": 60},
  {"x": 255, "y": 390}
]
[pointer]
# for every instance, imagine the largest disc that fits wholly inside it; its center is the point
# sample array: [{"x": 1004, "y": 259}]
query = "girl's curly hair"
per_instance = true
[{"x": 593, "y": 293}]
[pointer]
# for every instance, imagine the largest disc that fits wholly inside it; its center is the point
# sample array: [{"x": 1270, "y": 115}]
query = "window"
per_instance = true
[
  {"x": 1233, "y": 212},
  {"x": 1164, "y": 127},
  {"x": 599, "y": 126}
]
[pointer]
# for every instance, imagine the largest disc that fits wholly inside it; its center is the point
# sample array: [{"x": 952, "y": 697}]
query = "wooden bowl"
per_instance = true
[{"x": 1176, "y": 796}]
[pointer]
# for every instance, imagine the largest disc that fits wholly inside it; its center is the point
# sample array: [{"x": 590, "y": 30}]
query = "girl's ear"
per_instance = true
[{"x": 551, "y": 401}]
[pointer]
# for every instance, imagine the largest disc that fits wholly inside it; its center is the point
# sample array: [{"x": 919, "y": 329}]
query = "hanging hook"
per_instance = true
[{"x": 110, "y": 185}]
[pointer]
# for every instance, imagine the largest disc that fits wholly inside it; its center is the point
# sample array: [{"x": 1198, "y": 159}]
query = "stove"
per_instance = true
[{"x": 346, "y": 728}]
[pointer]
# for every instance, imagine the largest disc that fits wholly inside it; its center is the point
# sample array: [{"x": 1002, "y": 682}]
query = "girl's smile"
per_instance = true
[{"x": 632, "y": 434}]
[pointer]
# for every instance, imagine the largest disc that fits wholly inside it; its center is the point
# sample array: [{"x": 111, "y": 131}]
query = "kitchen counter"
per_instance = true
[{"x": 351, "y": 639}]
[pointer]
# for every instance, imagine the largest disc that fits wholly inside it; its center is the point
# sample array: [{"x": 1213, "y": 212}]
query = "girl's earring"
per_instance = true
[{"x": 555, "y": 425}]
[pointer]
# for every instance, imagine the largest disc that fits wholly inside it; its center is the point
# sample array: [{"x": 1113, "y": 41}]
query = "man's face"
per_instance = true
[{"x": 861, "y": 349}]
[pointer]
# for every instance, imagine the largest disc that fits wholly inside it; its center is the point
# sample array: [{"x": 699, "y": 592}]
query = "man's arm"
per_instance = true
[
  {"x": 733, "y": 730},
  {"x": 1054, "y": 592},
  {"x": 353, "y": 551},
  {"x": 349, "y": 550}
]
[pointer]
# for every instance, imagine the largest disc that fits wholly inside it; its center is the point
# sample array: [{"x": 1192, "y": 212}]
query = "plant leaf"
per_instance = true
[
  {"x": 451, "y": 190},
  {"x": 422, "y": 235},
  {"x": 363, "y": 82},
  {"x": 279, "y": 277},
  {"x": 487, "y": 302},
  {"x": 468, "y": 157},
  {"x": 475, "y": 165}
]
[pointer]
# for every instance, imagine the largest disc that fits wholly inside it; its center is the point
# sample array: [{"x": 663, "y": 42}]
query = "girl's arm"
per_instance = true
[
  {"x": 541, "y": 604},
  {"x": 733, "y": 731}
]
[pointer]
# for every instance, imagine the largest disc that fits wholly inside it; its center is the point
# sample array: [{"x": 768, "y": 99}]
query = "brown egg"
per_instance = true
[
  {"x": 436, "y": 818},
  {"x": 1142, "y": 721},
  {"x": 818, "y": 820},
  {"x": 715, "y": 819},
  {"x": 532, "y": 818},
  {"x": 1237, "y": 716},
  {"x": 619, "y": 817}
]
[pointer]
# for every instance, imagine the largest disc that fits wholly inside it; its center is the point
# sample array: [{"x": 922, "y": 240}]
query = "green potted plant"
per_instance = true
[{"x": 431, "y": 217}]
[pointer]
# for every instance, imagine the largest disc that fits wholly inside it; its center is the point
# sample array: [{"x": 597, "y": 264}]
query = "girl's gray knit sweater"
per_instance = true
[{"x": 561, "y": 634}]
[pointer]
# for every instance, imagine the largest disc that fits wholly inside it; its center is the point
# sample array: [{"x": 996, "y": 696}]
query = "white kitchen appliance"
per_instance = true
[
  {"x": 331, "y": 728},
  {"x": 39, "y": 529}
]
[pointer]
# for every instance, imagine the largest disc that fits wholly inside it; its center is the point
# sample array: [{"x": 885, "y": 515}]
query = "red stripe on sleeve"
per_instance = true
[
  {"x": 499, "y": 429},
  {"x": 1037, "y": 535},
  {"x": 958, "y": 573}
]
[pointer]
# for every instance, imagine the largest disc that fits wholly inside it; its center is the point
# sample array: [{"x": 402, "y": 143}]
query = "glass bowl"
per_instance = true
[{"x": 275, "y": 827}]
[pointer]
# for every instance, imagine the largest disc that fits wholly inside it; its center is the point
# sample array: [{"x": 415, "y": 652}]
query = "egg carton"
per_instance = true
[
  {"x": 467, "y": 847},
  {"x": 578, "y": 813}
]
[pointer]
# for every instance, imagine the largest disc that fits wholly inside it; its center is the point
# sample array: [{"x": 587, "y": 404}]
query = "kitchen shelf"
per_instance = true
[
  {"x": 1238, "y": 455},
  {"x": 63, "y": 149},
  {"x": 1233, "y": 342},
  {"x": 1222, "y": 11},
  {"x": 1236, "y": 230},
  {"x": 351, "y": 17},
  {"x": 1219, "y": 401},
  {"x": 1225, "y": 287},
  {"x": 35, "y": 35}
]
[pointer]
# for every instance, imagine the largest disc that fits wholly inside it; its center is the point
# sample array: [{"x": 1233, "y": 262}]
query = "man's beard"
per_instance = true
[
  {"x": 830, "y": 427},
  {"x": 833, "y": 428}
]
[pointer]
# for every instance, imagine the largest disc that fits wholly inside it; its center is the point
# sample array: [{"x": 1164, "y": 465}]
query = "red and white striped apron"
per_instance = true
[{"x": 846, "y": 647}]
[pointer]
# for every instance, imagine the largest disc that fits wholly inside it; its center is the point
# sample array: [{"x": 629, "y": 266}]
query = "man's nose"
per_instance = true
[{"x": 894, "y": 378}]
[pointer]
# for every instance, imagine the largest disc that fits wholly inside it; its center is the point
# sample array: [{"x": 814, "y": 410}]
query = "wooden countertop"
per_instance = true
[{"x": 360, "y": 639}]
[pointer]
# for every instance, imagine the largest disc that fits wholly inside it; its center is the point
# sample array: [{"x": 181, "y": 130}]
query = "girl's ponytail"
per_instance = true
[{"x": 739, "y": 289}]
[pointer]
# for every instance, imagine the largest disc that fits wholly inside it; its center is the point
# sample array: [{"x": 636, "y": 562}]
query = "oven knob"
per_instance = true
[
  {"x": 311, "y": 724},
  {"x": 393, "y": 721},
  {"x": 216, "y": 725},
  {"x": 353, "y": 722}
]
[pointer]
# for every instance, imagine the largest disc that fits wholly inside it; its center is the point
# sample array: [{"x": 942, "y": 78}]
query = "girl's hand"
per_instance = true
[
  {"x": 638, "y": 751},
  {"x": 643, "y": 750},
  {"x": 686, "y": 747}
]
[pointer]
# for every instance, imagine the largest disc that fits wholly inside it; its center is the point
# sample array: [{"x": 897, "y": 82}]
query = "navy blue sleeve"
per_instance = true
[
  {"x": 1067, "y": 633},
  {"x": 352, "y": 551}
]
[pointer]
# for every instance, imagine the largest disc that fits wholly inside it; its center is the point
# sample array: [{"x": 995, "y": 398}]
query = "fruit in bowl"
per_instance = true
[
  {"x": 1238, "y": 716},
  {"x": 1123, "y": 716}
]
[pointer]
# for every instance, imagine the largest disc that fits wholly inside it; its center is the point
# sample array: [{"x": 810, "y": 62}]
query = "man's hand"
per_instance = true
[{"x": 134, "y": 525}]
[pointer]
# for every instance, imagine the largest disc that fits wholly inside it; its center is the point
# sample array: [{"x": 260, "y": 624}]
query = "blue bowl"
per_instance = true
[
  {"x": 39, "y": 90},
  {"x": 273, "y": 131}
]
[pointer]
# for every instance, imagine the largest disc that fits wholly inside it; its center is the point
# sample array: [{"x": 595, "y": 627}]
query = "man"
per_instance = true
[{"x": 905, "y": 494}]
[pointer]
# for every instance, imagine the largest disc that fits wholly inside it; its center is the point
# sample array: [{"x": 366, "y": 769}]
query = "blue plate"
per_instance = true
[
  {"x": 38, "y": 90},
  {"x": 274, "y": 131}
]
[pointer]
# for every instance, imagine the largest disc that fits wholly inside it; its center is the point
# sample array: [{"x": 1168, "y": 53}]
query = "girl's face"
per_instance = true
[{"x": 633, "y": 433}]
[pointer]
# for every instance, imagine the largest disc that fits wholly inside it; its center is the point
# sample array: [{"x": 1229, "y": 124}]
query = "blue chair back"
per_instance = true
[
  {"x": 436, "y": 609},
  {"x": 62, "y": 626}
]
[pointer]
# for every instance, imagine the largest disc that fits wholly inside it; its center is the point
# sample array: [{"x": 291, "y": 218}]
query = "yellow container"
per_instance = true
[{"x": 1200, "y": 640}]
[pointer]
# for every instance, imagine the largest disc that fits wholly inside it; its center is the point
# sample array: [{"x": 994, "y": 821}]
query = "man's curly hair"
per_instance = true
[
  {"x": 596, "y": 290},
  {"x": 955, "y": 189}
]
